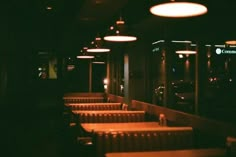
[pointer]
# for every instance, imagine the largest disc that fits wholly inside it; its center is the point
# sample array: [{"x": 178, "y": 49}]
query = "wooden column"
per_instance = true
[
  {"x": 108, "y": 77},
  {"x": 200, "y": 76},
  {"x": 126, "y": 79},
  {"x": 168, "y": 74},
  {"x": 90, "y": 75}
]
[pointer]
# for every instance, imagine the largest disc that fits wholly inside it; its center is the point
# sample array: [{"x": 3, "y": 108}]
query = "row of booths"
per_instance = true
[{"x": 111, "y": 128}]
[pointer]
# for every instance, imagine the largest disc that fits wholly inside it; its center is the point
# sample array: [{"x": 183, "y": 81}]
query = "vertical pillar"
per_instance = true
[
  {"x": 118, "y": 75},
  {"x": 200, "y": 77},
  {"x": 164, "y": 75},
  {"x": 108, "y": 75},
  {"x": 196, "y": 96},
  {"x": 111, "y": 81},
  {"x": 126, "y": 79},
  {"x": 187, "y": 76},
  {"x": 168, "y": 75},
  {"x": 208, "y": 59},
  {"x": 90, "y": 76}
]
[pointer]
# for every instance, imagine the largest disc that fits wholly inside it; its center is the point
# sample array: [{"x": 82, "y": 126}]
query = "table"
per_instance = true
[
  {"x": 106, "y": 111},
  {"x": 208, "y": 152},
  {"x": 93, "y": 103},
  {"x": 104, "y": 127},
  {"x": 109, "y": 116},
  {"x": 130, "y": 126}
]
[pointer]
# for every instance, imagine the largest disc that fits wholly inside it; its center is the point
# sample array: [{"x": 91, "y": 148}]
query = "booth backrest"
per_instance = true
[
  {"x": 110, "y": 117},
  {"x": 80, "y": 99},
  {"x": 78, "y": 94},
  {"x": 84, "y": 97},
  {"x": 115, "y": 98},
  {"x": 209, "y": 133},
  {"x": 94, "y": 106},
  {"x": 131, "y": 141}
]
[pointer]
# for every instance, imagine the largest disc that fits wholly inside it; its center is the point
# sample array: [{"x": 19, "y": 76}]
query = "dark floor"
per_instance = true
[{"x": 38, "y": 132}]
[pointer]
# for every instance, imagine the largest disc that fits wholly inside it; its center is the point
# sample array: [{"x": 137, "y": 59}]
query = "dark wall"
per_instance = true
[{"x": 98, "y": 75}]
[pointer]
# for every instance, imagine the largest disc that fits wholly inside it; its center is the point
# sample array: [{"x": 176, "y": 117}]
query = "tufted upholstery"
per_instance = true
[
  {"x": 130, "y": 141},
  {"x": 112, "y": 117},
  {"x": 94, "y": 106},
  {"x": 85, "y": 99}
]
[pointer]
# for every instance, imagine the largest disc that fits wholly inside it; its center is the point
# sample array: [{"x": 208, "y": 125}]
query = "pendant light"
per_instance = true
[
  {"x": 98, "y": 62},
  {"x": 178, "y": 9},
  {"x": 230, "y": 42},
  {"x": 119, "y": 33},
  {"x": 84, "y": 55},
  {"x": 188, "y": 50},
  {"x": 97, "y": 46},
  {"x": 99, "y": 59}
]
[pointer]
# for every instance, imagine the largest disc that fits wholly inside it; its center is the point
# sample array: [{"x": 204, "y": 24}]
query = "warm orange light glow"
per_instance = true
[
  {"x": 120, "y": 22},
  {"x": 186, "y": 52},
  {"x": 70, "y": 67},
  {"x": 105, "y": 81},
  {"x": 84, "y": 54},
  {"x": 178, "y": 9},
  {"x": 98, "y": 50},
  {"x": 181, "y": 56},
  {"x": 119, "y": 38},
  {"x": 49, "y": 8},
  {"x": 231, "y": 42},
  {"x": 85, "y": 57},
  {"x": 98, "y": 38}
]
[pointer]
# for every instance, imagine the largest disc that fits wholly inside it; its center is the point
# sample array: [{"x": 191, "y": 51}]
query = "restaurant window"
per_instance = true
[
  {"x": 173, "y": 75},
  {"x": 177, "y": 77}
]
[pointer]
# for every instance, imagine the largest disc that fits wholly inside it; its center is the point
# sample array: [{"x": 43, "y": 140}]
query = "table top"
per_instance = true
[
  {"x": 105, "y": 111},
  {"x": 95, "y": 103},
  {"x": 82, "y": 97},
  {"x": 130, "y": 126},
  {"x": 208, "y": 152}
]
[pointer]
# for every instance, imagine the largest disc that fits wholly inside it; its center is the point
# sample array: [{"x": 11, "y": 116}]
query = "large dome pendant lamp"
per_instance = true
[
  {"x": 119, "y": 33},
  {"x": 97, "y": 46},
  {"x": 178, "y": 9}
]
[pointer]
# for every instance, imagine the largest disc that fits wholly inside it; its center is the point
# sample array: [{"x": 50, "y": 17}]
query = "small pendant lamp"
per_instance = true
[
  {"x": 84, "y": 55},
  {"x": 119, "y": 33},
  {"x": 97, "y": 46}
]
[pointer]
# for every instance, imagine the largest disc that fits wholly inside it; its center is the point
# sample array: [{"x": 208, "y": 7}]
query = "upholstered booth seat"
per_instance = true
[
  {"x": 131, "y": 141},
  {"x": 112, "y": 116}
]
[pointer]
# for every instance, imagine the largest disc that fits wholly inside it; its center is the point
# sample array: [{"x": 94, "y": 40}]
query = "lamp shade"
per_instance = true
[
  {"x": 178, "y": 9},
  {"x": 97, "y": 46},
  {"x": 187, "y": 52},
  {"x": 230, "y": 42},
  {"x": 119, "y": 33},
  {"x": 98, "y": 62},
  {"x": 186, "y": 47},
  {"x": 84, "y": 55},
  {"x": 99, "y": 59}
]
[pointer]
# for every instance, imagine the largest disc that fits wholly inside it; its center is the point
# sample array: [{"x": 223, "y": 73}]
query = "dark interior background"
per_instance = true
[{"x": 28, "y": 27}]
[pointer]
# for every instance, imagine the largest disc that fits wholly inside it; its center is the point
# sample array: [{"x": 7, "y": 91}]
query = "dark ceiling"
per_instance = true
[{"x": 28, "y": 26}]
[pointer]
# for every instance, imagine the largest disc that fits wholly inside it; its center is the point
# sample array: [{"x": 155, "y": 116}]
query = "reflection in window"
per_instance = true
[
  {"x": 176, "y": 81},
  {"x": 47, "y": 66}
]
